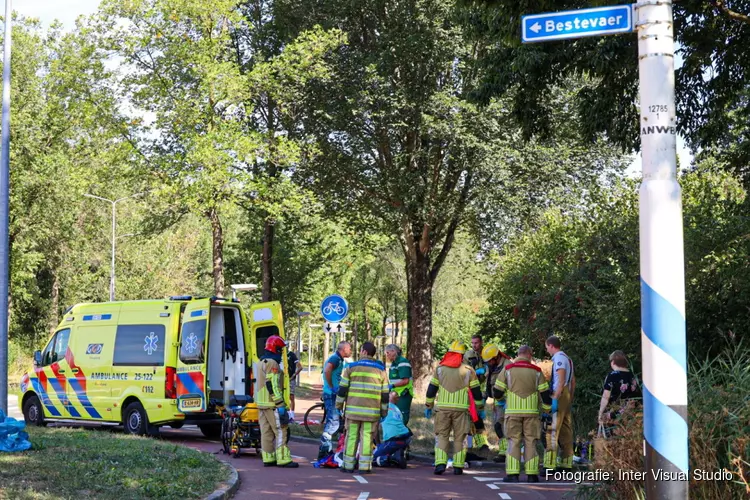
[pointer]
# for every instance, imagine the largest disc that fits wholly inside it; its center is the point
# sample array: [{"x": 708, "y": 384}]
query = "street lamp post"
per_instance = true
[
  {"x": 300, "y": 315},
  {"x": 309, "y": 347},
  {"x": 114, "y": 237}
]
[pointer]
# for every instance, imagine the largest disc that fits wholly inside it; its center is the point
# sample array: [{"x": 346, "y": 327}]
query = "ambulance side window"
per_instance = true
[
  {"x": 262, "y": 334},
  {"x": 139, "y": 345},
  {"x": 192, "y": 342},
  {"x": 56, "y": 348}
]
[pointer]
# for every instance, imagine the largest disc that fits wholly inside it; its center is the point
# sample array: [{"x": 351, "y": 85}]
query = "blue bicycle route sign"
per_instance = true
[
  {"x": 334, "y": 308},
  {"x": 577, "y": 23}
]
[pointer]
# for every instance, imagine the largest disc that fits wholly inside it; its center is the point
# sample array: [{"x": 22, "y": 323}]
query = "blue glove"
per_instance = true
[
  {"x": 428, "y": 413},
  {"x": 546, "y": 416},
  {"x": 554, "y": 406},
  {"x": 501, "y": 404},
  {"x": 391, "y": 387},
  {"x": 282, "y": 410},
  {"x": 480, "y": 371},
  {"x": 481, "y": 414}
]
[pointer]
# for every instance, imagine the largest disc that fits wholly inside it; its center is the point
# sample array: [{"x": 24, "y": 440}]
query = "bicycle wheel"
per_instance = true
[{"x": 315, "y": 429}]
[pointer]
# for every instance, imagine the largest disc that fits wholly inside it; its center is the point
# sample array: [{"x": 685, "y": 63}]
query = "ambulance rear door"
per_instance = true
[
  {"x": 191, "y": 362},
  {"x": 266, "y": 320}
]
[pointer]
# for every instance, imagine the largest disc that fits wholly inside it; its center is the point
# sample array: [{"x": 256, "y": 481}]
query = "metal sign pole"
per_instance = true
[
  {"x": 662, "y": 261},
  {"x": 4, "y": 216}
]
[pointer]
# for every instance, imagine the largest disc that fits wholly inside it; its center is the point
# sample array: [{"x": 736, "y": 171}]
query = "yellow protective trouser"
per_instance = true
[
  {"x": 447, "y": 421},
  {"x": 358, "y": 433},
  {"x": 522, "y": 429},
  {"x": 560, "y": 435},
  {"x": 499, "y": 418},
  {"x": 273, "y": 438}
]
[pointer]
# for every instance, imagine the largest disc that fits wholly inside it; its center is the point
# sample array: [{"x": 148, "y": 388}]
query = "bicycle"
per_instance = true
[
  {"x": 314, "y": 427},
  {"x": 333, "y": 307}
]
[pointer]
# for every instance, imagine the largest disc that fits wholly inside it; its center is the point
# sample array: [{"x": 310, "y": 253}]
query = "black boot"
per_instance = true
[
  {"x": 290, "y": 465},
  {"x": 457, "y": 471},
  {"x": 532, "y": 478},
  {"x": 439, "y": 469},
  {"x": 511, "y": 478},
  {"x": 348, "y": 471},
  {"x": 269, "y": 464}
]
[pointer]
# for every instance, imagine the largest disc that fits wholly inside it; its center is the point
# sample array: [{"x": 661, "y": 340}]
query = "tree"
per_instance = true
[
  {"x": 713, "y": 40},
  {"x": 65, "y": 142},
  {"x": 403, "y": 149},
  {"x": 177, "y": 65}
]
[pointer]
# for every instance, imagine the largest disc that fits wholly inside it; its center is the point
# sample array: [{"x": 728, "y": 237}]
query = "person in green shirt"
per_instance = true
[{"x": 400, "y": 379}]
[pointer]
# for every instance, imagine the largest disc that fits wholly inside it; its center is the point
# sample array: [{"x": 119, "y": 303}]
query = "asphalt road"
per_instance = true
[
  {"x": 13, "y": 409},
  {"x": 415, "y": 483}
]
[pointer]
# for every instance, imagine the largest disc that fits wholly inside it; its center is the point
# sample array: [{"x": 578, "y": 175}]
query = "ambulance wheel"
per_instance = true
[
  {"x": 135, "y": 420},
  {"x": 211, "y": 431},
  {"x": 33, "y": 414},
  {"x": 177, "y": 425}
]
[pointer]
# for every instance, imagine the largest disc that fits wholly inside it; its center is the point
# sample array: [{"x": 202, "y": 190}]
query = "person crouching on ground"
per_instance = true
[{"x": 396, "y": 437}]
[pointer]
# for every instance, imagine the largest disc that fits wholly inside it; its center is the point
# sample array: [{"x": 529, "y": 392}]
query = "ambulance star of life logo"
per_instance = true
[
  {"x": 191, "y": 343},
  {"x": 151, "y": 341}
]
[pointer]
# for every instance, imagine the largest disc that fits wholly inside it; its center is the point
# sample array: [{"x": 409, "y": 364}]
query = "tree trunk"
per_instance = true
[
  {"x": 217, "y": 235},
  {"x": 267, "y": 261},
  {"x": 420, "y": 321},
  {"x": 54, "y": 317},
  {"x": 368, "y": 325},
  {"x": 355, "y": 336}
]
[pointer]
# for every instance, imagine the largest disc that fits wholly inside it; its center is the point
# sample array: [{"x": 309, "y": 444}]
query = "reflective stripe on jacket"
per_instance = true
[
  {"x": 449, "y": 388},
  {"x": 269, "y": 388},
  {"x": 364, "y": 389}
]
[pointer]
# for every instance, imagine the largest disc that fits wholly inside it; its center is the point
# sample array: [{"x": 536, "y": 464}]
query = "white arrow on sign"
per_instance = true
[{"x": 536, "y": 27}]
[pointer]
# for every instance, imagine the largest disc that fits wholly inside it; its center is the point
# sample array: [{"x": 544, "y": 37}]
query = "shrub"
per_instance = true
[{"x": 719, "y": 418}]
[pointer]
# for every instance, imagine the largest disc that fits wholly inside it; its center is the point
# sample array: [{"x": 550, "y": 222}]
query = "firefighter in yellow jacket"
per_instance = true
[
  {"x": 524, "y": 389},
  {"x": 448, "y": 393},
  {"x": 496, "y": 360},
  {"x": 272, "y": 412},
  {"x": 364, "y": 391}
]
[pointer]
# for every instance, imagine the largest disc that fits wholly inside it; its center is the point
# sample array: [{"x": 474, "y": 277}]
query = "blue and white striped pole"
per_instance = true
[{"x": 662, "y": 261}]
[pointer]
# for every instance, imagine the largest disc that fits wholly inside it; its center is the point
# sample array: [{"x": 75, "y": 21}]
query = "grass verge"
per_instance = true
[{"x": 69, "y": 463}]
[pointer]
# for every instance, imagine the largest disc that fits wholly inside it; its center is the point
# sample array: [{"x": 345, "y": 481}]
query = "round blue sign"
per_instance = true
[{"x": 334, "y": 308}]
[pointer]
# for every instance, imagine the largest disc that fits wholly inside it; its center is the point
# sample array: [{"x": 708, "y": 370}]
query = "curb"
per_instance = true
[
  {"x": 425, "y": 459},
  {"x": 227, "y": 488}
]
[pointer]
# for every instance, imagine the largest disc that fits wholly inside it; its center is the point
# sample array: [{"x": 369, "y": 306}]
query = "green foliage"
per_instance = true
[
  {"x": 578, "y": 276},
  {"x": 117, "y": 465},
  {"x": 718, "y": 417},
  {"x": 711, "y": 82}
]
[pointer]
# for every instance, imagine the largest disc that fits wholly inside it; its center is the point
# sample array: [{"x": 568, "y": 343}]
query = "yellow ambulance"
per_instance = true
[{"x": 145, "y": 364}]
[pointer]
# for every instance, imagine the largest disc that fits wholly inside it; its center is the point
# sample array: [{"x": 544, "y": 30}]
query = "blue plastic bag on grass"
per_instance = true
[{"x": 12, "y": 435}]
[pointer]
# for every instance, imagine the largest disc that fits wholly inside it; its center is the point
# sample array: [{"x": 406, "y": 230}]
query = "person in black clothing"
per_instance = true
[
  {"x": 619, "y": 387},
  {"x": 294, "y": 367}
]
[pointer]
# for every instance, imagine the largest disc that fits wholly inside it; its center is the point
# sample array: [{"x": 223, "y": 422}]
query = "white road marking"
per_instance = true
[
  {"x": 363, "y": 495},
  {"x": 493, "y": 486},
  {"x": 299, "y": 458},
  {"x": 484, "y": 479},
  {"x": 504, "y": 496},
  {"x": 361, "y": 480}
]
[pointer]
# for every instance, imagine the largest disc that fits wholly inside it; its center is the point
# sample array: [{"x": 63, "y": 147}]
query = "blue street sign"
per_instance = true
[
  {"x": 577, "y": 23},
  {"x": 334, "y": 308}
]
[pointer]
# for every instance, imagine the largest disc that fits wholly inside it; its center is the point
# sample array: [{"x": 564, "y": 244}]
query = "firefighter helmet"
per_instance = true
[
  {"x": 274, "y": 343},
  {"x": 489, "y": 352},
  {"x": 457, "y": 346}
]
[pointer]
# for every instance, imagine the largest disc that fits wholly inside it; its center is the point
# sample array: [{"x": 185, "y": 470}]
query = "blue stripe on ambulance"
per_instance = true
[
  {"x": 63, "y": 397},
  {"x": 190, "y": 386},
  {"x": 83, "y": 398},
  {"x": 97, "y": 317},
  {"x": 45, "y": 398}
]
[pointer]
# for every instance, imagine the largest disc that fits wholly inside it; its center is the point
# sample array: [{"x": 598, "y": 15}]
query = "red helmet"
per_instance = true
[{"x": 274, "y": 343}]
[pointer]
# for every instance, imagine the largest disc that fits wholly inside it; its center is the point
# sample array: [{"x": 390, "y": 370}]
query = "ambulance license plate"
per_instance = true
[{"x": 192, "y": 403}]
